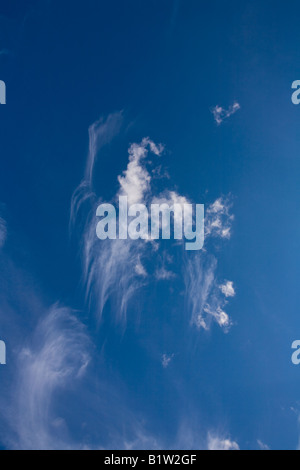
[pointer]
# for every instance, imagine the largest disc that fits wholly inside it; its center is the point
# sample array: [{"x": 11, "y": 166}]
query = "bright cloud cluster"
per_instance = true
[
  {"x": 220, "y": 444},
  {"x": 218, "y": 222},
  {"x": 228, "y": 289}
]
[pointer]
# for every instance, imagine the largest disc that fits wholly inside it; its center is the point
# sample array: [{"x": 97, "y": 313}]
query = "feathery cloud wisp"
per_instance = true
[
  {"x": 166, "y": 360},
  {"x": 202, "y": 294},
  {"x": 57, "y": 356},
  {"x": 113, "y": 270},
  {"x": 202, "y": 291},
  {"x": 262, "y": 446},
  {"x": 116, "y": 270},
  {"x": 3, "y": 232}
]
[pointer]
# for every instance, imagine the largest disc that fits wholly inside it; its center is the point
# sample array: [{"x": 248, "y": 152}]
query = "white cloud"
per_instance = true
[
  {"x": 56, "y": 357},
  {"x": 170, "y": 198},
  {"x": 101, "y": 133},
  {"x": 135, "y": 182},
  {"x": 228, "y": 289},
  {"x": 219, "y": 315},
  {"x": 115, "y": 269},
  {"x": 221, "y": 444},
  {"x": 220, "y": 114},
  {"x": 218, "y": 220},
  {"x": 162, "y": 274},
  {"x": 262, "y": 446},
  {"x": 109, "y": 269},
  {"x": 203, "y": 294},
  {"x": 166, "y": 360},
  {"x": 199, "y": 279},
  {"x": 140, "y": 270}
]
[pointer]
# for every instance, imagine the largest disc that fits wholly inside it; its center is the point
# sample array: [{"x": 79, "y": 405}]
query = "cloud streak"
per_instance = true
[
  {"x": 204, "y": 300},
  {"x": 57, "y": 356},
  {"x": 3, "y": 232},
  {"x": 113, "y": 270}
]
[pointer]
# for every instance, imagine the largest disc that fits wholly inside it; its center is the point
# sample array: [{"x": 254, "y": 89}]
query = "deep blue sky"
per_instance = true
[{"x": 166, "y": 64}]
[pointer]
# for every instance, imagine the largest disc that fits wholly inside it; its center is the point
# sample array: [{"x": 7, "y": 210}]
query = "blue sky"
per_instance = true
[{"x": 120, "y": 345}]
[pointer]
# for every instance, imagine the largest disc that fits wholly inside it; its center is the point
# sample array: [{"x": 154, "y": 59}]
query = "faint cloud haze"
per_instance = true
[
  {"x": 262, "y": 446},
  {"x": 3, "y": 232}
]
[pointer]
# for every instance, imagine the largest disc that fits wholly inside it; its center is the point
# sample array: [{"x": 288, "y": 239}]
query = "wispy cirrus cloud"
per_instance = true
[
  {"x": 3, "y": 232},
  {"x": 55, "y": 358},
  {"x": 199, "y": 281},
  {"x": 57, "y": 354},
  {"x": 166, "y": 360},
  {"x": 49, "y": 374},
  {"x": 116, "y": 270},
  {"x": 113, "y": 270},
  {"x": 220, "y": 114},
  {"x": 163, "y": 274},
  {"x": 206, "y": 299},
  {"x": 262, "y": 446},
  {"x": 49, "y": 352},
  {"x": 101, "y": 133}
]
